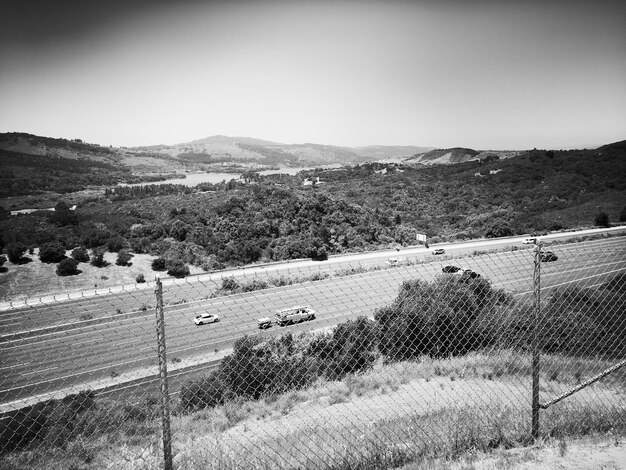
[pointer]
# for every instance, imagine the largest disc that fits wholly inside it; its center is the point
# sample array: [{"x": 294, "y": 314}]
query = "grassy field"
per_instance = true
[
  {"x": 37, "y": 279},
  {"x": 420, "y": 414}
]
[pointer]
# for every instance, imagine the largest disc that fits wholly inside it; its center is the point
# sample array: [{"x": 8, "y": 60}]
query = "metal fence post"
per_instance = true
[
  {"x": 165, "y": 398},
  {"x": 535, "y": 342}
]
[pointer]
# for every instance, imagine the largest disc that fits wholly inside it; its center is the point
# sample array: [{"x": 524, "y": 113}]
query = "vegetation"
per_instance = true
[
  {"x": 68, "y": 267},
  {"x": 274, "y": 217},
  {"x": 80, "y": 254}
]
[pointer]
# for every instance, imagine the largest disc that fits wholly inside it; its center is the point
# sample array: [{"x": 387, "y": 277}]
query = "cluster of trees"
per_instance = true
[{"x": 450, "y": 316}]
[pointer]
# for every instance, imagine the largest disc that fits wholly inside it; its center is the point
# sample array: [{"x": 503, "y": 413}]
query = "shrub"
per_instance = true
[
  {"x": 80, "y": 254},
  {"x": 436, "y": 319},
  {"x": 15, "y": 252},
  {"x": 97, "y": 258},
  {"x": 159, "y": 264},
  {"x": 140, "y": 279},
  {"x": 352, "y": 348},
  {"x": 68, "y": 267},
  {"x": 115, "y": 244},
  {"x": 602, "y": 219},
  {"x": 202, "y": 393},
  {"x": 52, "y": 252},
  {"x": 123, "y": 258},
  {"x": 177, "y": 269},
  {"x": 230, "y": 284}
]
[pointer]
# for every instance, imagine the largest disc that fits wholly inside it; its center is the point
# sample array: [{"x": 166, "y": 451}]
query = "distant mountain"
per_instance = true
[{"x": 459, "y": 155}]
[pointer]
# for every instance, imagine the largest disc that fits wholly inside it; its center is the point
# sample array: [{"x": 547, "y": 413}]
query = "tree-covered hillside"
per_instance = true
[{"x": 355, "y": 208}]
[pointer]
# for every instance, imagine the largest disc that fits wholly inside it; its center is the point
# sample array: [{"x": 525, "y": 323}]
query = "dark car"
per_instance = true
[
  {"x": 548, "y": 256},
  {"x": 450, "y": 269},
  {"x": 469, "y": 274}
]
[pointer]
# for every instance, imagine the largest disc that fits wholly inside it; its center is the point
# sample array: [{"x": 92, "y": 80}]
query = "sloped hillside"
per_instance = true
[
  {"x": 459, "y": 155},
  {"x": 29, "y": 144}
]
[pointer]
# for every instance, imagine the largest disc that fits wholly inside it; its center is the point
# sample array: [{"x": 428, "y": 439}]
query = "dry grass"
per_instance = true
[
  {"x": 37, "y": 279},
  {"x": 423, "y": 413}
]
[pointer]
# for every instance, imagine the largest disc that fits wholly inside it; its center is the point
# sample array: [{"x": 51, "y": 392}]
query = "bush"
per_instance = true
[
  {"x": 500, "y": 229},
  {"x": 202, "y": 393},
  {"x": 68, "y": 267},
  {"x": 436, "y": 319},
  {"x": 159, "y": 264},
  {"x": 52, "y": 252},
  {"x": 140, "y": 279},
  {"x": 97, "y": 258},
  {"x": 352, "y": 348},
  {"x": 80, "y": 254},
  {"x": 123, "y": 258},
  {"x": 230, "y": 284},
  {"x": 15, "y": 252},
  {"x": 178, "y": 269},
  {"x": 115, "y": 244},
  {"x": 602, "y": 219}
]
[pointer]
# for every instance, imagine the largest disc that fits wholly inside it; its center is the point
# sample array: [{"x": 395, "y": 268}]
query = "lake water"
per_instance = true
[{"x": 194, "y": 179}]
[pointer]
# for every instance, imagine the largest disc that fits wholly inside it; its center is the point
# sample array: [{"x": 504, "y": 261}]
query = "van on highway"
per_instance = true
[{"x": 287, "y": 316}]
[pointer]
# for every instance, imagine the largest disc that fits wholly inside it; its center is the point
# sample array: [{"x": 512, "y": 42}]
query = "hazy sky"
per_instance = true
[{"x": 481, "y": 74}]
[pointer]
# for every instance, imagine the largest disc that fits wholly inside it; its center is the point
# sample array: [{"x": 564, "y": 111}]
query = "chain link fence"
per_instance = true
[{"x": 320, "y": 366}]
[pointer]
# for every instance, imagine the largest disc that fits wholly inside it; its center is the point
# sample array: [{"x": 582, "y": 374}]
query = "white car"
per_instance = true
[
  {"x": 206, "y": 318},
  {"x": 529, "y": 241},
  {"x": 265, "y": 322},
  {"x": 438, "y": 251},
  {"x": 393, "y": 261}
]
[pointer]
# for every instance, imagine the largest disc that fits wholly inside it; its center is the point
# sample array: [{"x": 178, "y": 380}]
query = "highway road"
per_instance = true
[{"x": 45, "y": 349}]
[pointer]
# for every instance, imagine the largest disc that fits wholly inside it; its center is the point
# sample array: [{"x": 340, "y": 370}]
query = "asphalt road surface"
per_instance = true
[{"x": 108, "y": 341}]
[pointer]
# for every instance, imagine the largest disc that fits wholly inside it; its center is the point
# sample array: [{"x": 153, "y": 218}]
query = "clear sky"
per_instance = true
[{"x": 480, "y": 74}]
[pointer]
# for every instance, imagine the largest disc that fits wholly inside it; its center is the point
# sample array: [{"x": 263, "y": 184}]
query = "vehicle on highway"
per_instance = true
[
  {"x": 530, "y": 241},
  {"x": 393, "y": 261},
  {"x": 287, "y": 316},
  {"x": 470, "y": 274},
  {"x": 548, "y": 256},
  {"x": 265, "y": 322},
  {"x": 206, "y": 318},
  {"x": 438, "y": 251},
  {"x": 450, "y": 269}
]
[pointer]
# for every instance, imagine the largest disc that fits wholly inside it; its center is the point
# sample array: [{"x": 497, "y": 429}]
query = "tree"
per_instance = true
[
  {"x": 622, "y": 215},
  {"x": 68, "y": 267},
  {"x": 15, "y": 252},
  {"x": 123, "y": 258},
  {"x": 80, "y": 254},
  {"x": 3, "y": 259},
  {"x": 602, "y": 219},
  {"x": 177, "y": 269},
  {"x": 52, "y": 252}
]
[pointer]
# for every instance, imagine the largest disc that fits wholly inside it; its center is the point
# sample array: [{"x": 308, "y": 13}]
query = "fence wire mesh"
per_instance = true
[{"x": 321, "y": 365}]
